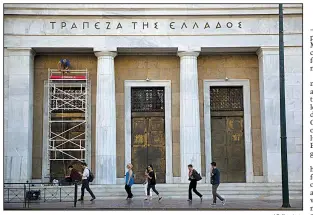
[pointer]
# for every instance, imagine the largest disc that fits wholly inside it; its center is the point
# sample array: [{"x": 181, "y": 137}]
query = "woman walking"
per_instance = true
[
  {"x": 129, "y": 181},
  {"x": 146, "y": 183},
  {"x": 151, "y": 182}
]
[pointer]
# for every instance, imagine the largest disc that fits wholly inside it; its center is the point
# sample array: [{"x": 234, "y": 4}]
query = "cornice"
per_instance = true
[{"x": 148, "y": 9}]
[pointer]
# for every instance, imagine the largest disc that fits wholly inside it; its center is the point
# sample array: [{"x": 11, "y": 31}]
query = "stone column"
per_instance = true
[
  {"x": 270, "y": 112},
  {"x": 105, "y": 119},
  {"x": 18, "y": 114},
  {"x": 190, "y": 150}
]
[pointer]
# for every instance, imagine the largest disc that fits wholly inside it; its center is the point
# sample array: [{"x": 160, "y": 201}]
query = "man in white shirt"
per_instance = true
[{"x": 85, "y": 183}]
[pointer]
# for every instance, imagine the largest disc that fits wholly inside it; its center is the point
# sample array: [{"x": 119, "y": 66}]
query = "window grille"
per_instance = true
[
  {"x": 226, "y": 98},
  {"x": 147, "y": 99}
]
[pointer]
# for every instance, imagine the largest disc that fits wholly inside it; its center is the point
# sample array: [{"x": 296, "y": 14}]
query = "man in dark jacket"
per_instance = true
[
  {"x": 193, "y": 182},
  {"x": 74, "y": 176},
  {"x": 215, "y": 181}
]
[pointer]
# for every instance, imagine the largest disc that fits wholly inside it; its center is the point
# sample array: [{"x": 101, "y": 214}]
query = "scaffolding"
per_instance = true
[{"x": 68, "y": 119}]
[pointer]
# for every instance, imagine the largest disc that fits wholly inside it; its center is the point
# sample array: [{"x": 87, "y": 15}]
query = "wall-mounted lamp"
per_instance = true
[
  {"x": 226, "y": 79},
  {"x": 147, "y": 79}
]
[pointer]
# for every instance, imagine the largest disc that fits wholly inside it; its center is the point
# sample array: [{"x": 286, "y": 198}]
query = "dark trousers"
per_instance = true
[
  {"x": 215, "y": 194},
  {"x": 153, "y": 188},
  {"x": 129, "y": 191},
  {"x": 193, "y": 187},
  {"x": 85, "y": 185},
  {"x": 66, "y": 181}
]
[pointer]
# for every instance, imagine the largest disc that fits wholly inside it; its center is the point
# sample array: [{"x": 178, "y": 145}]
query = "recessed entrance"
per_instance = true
[
  {"x": 148, "y": 131},
  {"x": 227, "y": 132}
]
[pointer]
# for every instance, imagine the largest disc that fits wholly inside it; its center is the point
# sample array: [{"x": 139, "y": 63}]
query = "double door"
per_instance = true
[
  {"x": 228, "y": 148},
  {"x": 148, "y": 146}
]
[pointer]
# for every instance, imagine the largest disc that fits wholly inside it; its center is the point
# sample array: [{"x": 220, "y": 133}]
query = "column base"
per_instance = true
[{"x": 105, "y": 169}]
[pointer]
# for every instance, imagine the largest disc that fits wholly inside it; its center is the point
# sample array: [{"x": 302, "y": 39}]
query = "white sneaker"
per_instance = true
[
  {"x": 224, "y": 202},
  {"x": 213, "y": 204}
]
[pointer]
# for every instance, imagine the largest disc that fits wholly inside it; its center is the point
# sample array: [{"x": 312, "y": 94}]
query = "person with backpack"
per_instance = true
[
  {"x": 129, "y": 181},
  {"x": 194, "y": 176},
  {"x": 151, "y": 183},
  {"x": 87, "y": 177}
]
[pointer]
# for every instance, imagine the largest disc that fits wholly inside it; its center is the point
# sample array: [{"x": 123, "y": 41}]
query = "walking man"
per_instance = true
[
  {"x": 193, "y": 178},
  {"x": 215, "y": 181},
  {"x": 85, "y": 183}
]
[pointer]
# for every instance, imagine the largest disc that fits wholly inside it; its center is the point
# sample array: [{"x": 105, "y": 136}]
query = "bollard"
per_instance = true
[
  {"x": 24, "y": 195},
  {"x": 28, "y": 200},
  {"x": 75, "y": 194}
]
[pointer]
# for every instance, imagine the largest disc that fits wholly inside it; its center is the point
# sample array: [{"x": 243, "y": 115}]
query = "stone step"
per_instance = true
[
  {"x": 228, "y": 186},
  {"x": 244, "y": 191},
  {"x": 141, "y": 196},
  {"x": 121, "y": 192},
  {"x": 208, "y": 197},
  {"x": 106, "y": 188}
]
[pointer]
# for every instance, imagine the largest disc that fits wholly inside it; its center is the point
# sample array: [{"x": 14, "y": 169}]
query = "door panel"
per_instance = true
[
  {"x": 228, "y": 149},
  {"x": 236, "y": 149},
  {"x": 148, "y": 147},
  {"x": 139, "y": 148},
  {"x": 156, "y": 147},
  {"x": 219, "y": 147}
]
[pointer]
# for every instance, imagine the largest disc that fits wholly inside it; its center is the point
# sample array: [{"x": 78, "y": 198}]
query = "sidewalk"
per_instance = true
[{"x": 169, "y": 204}]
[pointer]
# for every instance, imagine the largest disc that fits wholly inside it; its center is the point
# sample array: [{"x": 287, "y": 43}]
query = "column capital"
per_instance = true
[
  {"x": 105, "y": 53},
  {"x": 19, "y": 52},
  {"x": 267, "y": 50},
  {"x": 188, "y": 53}
]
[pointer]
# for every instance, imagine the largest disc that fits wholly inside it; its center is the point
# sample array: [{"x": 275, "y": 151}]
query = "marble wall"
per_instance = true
[
  {"x": 234, "y": 67},
  {"x": 293, "y": 78},
  {"x": 293, "y": 84},
  {"x": 270, "y": 111},
  {"x": 18, "y": 114},
  {"x": 140, "y": 68},
  {"x": 167, "y": 68}
]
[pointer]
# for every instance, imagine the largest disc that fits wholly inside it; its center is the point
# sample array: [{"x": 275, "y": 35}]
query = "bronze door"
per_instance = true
[
  {"x": 227, "y": 133},
  {"x": 148, "y": 147},
  {"x": 148, "y": 131},
  {"x": 156, "y": 147},
  {"x": 219, "y": 145},
  {"x": 228, "y": 149},
  {"x": 139, "y": 152},
  {"x": 235, "y": 149}
]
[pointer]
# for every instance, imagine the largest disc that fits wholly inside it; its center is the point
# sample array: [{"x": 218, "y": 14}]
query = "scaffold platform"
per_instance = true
[{"x": 68, "y": 75}]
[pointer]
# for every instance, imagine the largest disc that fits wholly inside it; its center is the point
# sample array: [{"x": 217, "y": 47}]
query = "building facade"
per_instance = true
[{"x": 167, "y": 84}]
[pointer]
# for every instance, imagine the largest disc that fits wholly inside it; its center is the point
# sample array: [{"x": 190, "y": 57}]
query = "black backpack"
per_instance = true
[
  {"x": 197, "y": 176},
  {"x": 91, "y": 176}
]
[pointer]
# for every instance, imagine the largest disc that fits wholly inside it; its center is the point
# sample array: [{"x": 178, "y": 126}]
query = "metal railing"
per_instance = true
[{"x": 30, "y": 193}]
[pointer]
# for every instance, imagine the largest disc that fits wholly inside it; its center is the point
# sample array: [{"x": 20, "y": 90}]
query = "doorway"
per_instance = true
[
  {"x": 148, "y": 132},
  {"x": 227, "y": 132}
]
